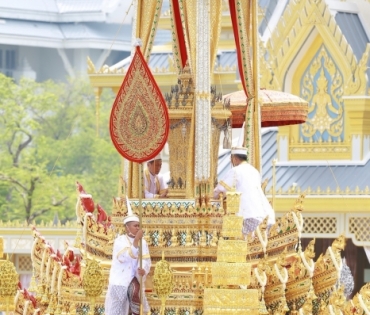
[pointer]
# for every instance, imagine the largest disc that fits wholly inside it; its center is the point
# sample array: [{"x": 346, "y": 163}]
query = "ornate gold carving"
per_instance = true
[
  {"x": 8, "y": 285},
  {"x": 232, "y": 251},
  {"x": 232, "y": 226},
  {"x": 326, "y": 106},
  {"x": 163, "y": 281},
  {"x": 357, "y": 85},
  {"x": 289, "y": 31},
  {"x": 328, "y": 266},
  {"x": 230, "y": 302},
  {"x": 231, "y": 273},
  {"x": 93, "y": 283},
  {"x": 360, "y": 303},
  {"x": 232, "y": 201}
]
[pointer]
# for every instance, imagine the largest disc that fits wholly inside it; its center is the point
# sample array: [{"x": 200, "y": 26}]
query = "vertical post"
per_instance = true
[
  {"x": 257, "y": 109},
  {"x": 203, "y": 97},
  {"x": 273, "y": 182},
  {"x": 138, "y": 18},
  {"x": 141, "y": 240}
]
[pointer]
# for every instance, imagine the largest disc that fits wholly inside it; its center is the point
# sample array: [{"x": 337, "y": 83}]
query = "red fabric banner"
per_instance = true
[
  {"x": 242, "y": 47},
  {"x": 179, "y": 34}
]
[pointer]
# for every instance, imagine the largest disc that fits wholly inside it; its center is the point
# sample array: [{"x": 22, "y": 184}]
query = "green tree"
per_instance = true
[{"x": 47, "y": 142}]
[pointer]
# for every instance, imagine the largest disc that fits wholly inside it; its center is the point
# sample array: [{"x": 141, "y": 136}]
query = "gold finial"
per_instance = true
[
  {"x": 163, "y": 281},
  {"x": 8, "y": 283},
  {"x": 93, "y": 283}
]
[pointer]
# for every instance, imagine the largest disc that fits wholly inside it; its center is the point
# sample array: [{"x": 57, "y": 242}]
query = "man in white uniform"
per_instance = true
[
  {"x": 155, "y": 186},
  {"x": 244, "y": 178},
  {"x": 124, "y": 278}
]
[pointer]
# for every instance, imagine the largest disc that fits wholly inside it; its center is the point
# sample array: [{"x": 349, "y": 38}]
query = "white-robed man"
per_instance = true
[
  {"x": 124, "y": 278},
  {"x": 244, "y": 178},
  {"x": 155, "y": 186}
]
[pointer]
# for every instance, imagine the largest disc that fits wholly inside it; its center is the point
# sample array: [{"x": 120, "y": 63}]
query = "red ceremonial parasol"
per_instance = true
[{"x": 277, "y": 108}]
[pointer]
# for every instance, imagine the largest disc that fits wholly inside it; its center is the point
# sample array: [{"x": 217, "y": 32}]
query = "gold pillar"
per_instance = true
[{"x": 257, "y": 108}]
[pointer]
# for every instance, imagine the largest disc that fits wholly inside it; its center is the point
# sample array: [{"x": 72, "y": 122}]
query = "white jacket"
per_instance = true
[
  {"x": 253, "y": 202},
  {"x": 125, "y": 261}
]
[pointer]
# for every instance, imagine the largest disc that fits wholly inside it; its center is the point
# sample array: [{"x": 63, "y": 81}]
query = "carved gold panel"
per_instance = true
[
  {"x": 232, "y": 251},
  {"x": 232, "y": 226},
  {"x": 231, "y": 273},
  {"x": 231, "y": 302}
]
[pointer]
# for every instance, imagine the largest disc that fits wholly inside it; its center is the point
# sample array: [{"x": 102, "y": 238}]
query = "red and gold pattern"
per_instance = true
[
  {"x": 277, "y": 108},
  {"x": 139, "y": 122}
]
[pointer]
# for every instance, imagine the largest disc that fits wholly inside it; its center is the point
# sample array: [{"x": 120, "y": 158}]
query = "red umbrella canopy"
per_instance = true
[{"x": 277, "y": 108}]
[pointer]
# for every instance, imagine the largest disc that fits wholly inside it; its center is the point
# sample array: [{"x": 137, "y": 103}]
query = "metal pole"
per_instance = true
[
  {"x": 257, "y": 115},
  {"x": 273, "y": 182},
  {"x": 141, "y": 240}
]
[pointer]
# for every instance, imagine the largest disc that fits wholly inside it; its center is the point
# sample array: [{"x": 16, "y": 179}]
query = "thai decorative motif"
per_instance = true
[
  {"x": 163, "y": 281},
  {"x": 93, "y": 283},
  {"x": 220, "y": 263},
  {"x": 300, "y": 276},
  {"x": 8, "y": 285},
  {"x": 322, "y": 87},
  {"x": 327, "y": 272},
  {"x": 231, "y": 270},
  {"x": 360, "y": 304},
  {"x": 277, "y": 280},
  {"x": 143, "y": 132}
]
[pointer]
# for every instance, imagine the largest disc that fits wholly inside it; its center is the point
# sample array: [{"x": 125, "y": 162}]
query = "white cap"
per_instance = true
[
  {"x": 239, "y": 150},
  {"x": 130, "y": 216},
  {"x": 157, "y": 157}
]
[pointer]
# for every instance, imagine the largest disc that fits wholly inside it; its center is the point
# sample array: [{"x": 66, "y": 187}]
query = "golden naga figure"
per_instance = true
[
  {"x": 337, "y": 301},
  {"x": 306, "y": 309},
  {"x": 307, "y": 258}
]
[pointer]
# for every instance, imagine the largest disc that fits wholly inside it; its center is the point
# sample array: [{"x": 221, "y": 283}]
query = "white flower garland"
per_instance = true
[
  {"x": 363, "y": 305},
  {"x": 60, "y": 278},
  {"x": 298, "y": 222},
  {"x": 261, "y": 281},
  {"x": 53, "y": 278},
  {"x": 309, "y": 268},
  {"x": 263, "y": 240},
  {"x": 332, "y": 311},
  {"x": 282, "y": 279},
  {"x": 337, "y": 267},
  {"x": 26, "y": 307},
  {"x": 46, "y": 246}
]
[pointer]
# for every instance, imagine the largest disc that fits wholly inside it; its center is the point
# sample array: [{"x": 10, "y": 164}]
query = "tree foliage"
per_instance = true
[{"x": 48, "y": 141}]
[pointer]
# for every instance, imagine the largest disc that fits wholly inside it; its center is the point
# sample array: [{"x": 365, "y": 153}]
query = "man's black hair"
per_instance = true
[{"x": 241, "y": 157}]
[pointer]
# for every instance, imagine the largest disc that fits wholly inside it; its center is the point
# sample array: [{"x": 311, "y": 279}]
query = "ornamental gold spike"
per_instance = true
[
  {"x": 93, "y": 283},
  {"x": 8, "y": 283},
  {"x": 163, "y": 281}
]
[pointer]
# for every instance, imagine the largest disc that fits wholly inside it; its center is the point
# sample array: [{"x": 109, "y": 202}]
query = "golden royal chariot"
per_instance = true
[{"x": 202, "y": 264}]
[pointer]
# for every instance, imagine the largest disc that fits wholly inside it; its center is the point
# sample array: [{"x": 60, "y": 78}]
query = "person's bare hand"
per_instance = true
[
  {"x": 164, "y": 194},
  {"x": 138, "y": 237},
  {"x": 141, "y": 272}
]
